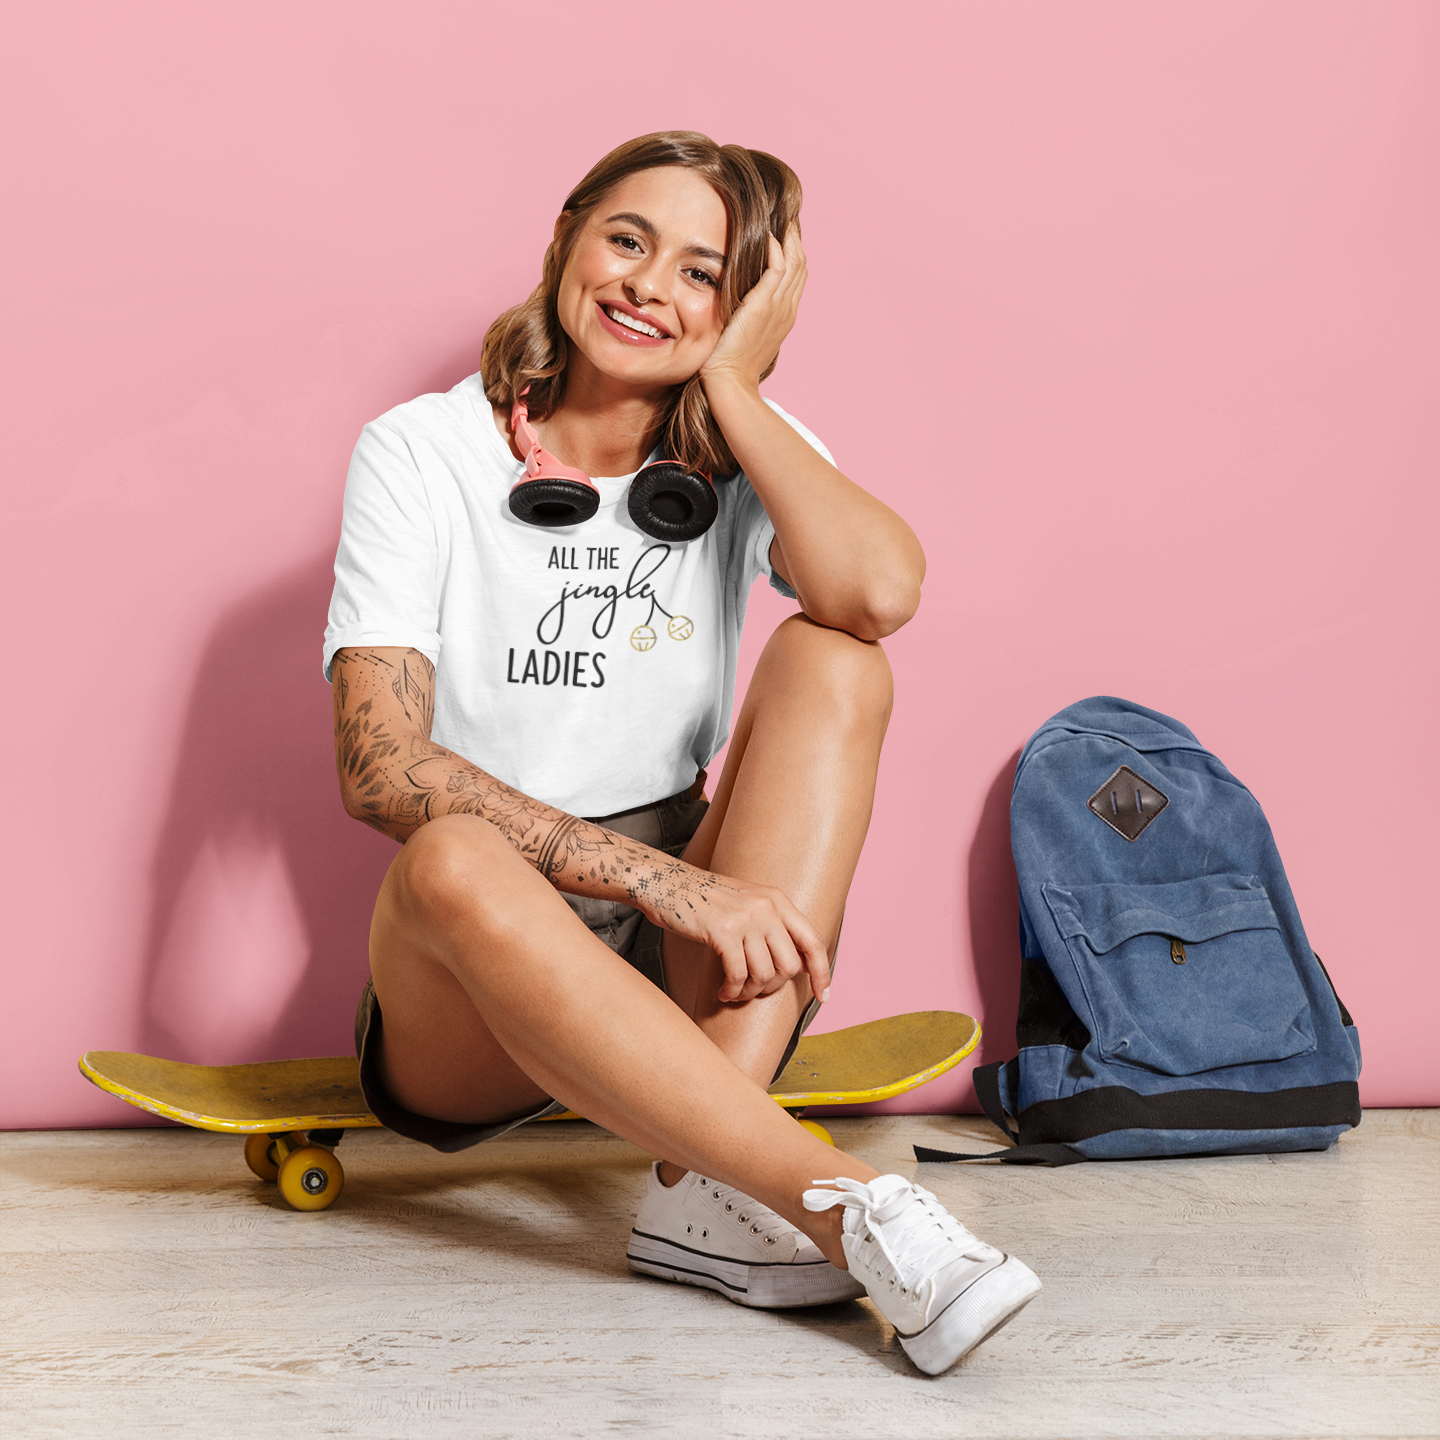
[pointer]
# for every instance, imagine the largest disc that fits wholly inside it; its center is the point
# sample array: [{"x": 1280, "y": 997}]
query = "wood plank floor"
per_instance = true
[{"x": 152, "y": 1286}]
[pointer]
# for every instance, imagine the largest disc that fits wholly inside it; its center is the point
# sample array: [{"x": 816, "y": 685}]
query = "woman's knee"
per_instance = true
[
  {"x": 455, "y": 869},
  {"x": 851, "y": 678}
]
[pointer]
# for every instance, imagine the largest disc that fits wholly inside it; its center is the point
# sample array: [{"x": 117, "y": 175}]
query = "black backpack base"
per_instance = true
[{"x": 1116, "y": 1123}]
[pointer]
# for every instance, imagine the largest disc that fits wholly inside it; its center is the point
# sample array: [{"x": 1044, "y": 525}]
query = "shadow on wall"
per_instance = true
[
  {"x": 990, "y": 895},
  {"x": 263, "y": 885},
  {"x": 993, "y": 900}
]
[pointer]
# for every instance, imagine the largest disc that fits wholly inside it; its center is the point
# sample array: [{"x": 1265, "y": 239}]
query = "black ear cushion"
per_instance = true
[
  {"x": 553, "y": 502},
  {"x": 670, "y": 503}
]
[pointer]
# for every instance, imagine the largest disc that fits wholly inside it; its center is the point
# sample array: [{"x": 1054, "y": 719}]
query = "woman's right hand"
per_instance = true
[
  {"x": 765, "y": 316},
  {"x": 761, "y": 938}
]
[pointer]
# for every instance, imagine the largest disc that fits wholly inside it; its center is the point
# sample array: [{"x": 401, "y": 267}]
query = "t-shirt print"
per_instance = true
[{"x": 608, "y": 599}]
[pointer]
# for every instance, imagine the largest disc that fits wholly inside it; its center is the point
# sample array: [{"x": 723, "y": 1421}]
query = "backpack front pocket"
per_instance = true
[{"x": 1185, "y": 977}]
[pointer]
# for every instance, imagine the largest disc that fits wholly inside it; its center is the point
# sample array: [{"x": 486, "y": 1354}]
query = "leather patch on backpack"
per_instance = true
[{"x": 1127, "y": 804}]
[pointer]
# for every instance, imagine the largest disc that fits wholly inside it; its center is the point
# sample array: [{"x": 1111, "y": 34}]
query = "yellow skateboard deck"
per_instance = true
[
  {"x": 278, "y": 1103},
  {"x": 241, "y": 1099},
  {"x": 877, "y": 1060}
]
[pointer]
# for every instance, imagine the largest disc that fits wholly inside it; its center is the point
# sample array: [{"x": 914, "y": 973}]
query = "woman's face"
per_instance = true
[{"x": 640, "y": 296}]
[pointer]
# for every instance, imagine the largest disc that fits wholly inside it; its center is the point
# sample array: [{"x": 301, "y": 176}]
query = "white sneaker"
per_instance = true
[
  {"x": 701, "y": 1232},
  {"x": 943, "y": 1290}
]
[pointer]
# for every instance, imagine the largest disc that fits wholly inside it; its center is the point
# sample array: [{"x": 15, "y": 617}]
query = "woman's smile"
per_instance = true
[{"x": 631, "y": 325}]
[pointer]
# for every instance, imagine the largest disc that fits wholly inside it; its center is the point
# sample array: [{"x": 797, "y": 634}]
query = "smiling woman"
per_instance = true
[{"x": 526, "y": 631}]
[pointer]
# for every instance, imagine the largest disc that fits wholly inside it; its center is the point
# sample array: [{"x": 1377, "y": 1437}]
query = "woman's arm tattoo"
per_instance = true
[{"x": 395, "y": 778}]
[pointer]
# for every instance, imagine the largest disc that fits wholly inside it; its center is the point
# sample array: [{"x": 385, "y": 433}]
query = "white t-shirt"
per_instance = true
[{"x": 589, "y": 665}]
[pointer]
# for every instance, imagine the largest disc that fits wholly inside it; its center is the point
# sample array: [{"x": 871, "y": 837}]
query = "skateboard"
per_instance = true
[{"x": 293, "y": 1113}]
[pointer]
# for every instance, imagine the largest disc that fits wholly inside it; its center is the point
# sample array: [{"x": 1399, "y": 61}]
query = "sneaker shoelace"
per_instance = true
[
  {"x": 908, "y": 1226},
  {"x": 760, "y": 1219}
]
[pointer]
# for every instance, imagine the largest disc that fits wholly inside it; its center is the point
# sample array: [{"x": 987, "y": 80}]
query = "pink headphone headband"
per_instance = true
[{"x": 540, "y": 464}]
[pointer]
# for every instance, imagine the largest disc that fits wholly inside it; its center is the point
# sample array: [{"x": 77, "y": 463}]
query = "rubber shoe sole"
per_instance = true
[
  {"x": 764, "y": 1287},
  {"x": 973, "y": 1316}
]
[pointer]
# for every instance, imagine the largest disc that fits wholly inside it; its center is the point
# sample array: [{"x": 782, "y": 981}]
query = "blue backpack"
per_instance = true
[{"x": 1170, "y": 1003}]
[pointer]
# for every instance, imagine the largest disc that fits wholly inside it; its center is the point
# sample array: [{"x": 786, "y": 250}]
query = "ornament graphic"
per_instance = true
[
  {"x": 642, "y": 637},
  {"x": 681, "y": 627}
]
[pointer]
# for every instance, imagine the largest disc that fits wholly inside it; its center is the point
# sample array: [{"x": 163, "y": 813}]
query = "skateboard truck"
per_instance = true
[{"x": 304, "y": 1166}]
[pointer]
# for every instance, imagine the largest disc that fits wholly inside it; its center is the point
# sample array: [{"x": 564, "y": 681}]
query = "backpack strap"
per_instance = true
[
  {"x": 1051, "y": 1155},
  {"x": 987, "y": 1091}
]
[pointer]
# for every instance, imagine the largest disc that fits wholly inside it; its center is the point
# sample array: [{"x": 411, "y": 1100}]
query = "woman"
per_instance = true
[{"x": 514, "y": 645}]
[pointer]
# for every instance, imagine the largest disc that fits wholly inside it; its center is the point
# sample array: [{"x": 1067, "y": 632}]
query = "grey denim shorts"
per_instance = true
[{"x": 667, "y": 825}]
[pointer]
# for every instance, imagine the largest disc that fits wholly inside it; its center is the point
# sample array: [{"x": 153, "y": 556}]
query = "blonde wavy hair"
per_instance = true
[{"x": 527, "y": 346}]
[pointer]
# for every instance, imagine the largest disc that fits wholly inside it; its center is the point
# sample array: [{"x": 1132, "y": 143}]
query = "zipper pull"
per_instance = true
[{"x": 1177, "y": 952}]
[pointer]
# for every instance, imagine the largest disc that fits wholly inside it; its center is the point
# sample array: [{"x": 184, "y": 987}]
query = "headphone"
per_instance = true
[{"x": 666, "y": 500}]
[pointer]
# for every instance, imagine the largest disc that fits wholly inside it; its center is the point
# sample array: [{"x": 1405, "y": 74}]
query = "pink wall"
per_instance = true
[{"x": 1171, "y": 266}]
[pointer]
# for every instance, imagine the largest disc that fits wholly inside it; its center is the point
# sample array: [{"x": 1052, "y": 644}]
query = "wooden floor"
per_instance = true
[{"x": 151, "y": 1286}]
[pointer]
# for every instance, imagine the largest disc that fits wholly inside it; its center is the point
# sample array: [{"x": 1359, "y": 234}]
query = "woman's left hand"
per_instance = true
[{"x": 751, "y": 341}]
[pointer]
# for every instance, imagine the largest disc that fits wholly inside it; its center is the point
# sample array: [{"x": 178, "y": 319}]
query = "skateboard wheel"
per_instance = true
[
  {"x": 259, "y": 1158},
  {"x": 818, "y": 1131},
  {"x": 311, "y": 1178}
]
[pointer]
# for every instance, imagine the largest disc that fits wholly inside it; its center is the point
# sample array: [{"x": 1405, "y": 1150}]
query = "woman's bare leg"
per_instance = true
[
  {"x": 791, "y": 810},
  {"x": 464, "y": 929}
]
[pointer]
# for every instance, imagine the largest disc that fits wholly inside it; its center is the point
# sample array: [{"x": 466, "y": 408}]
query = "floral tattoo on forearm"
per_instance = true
[{"x": 395, "y": 779}]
